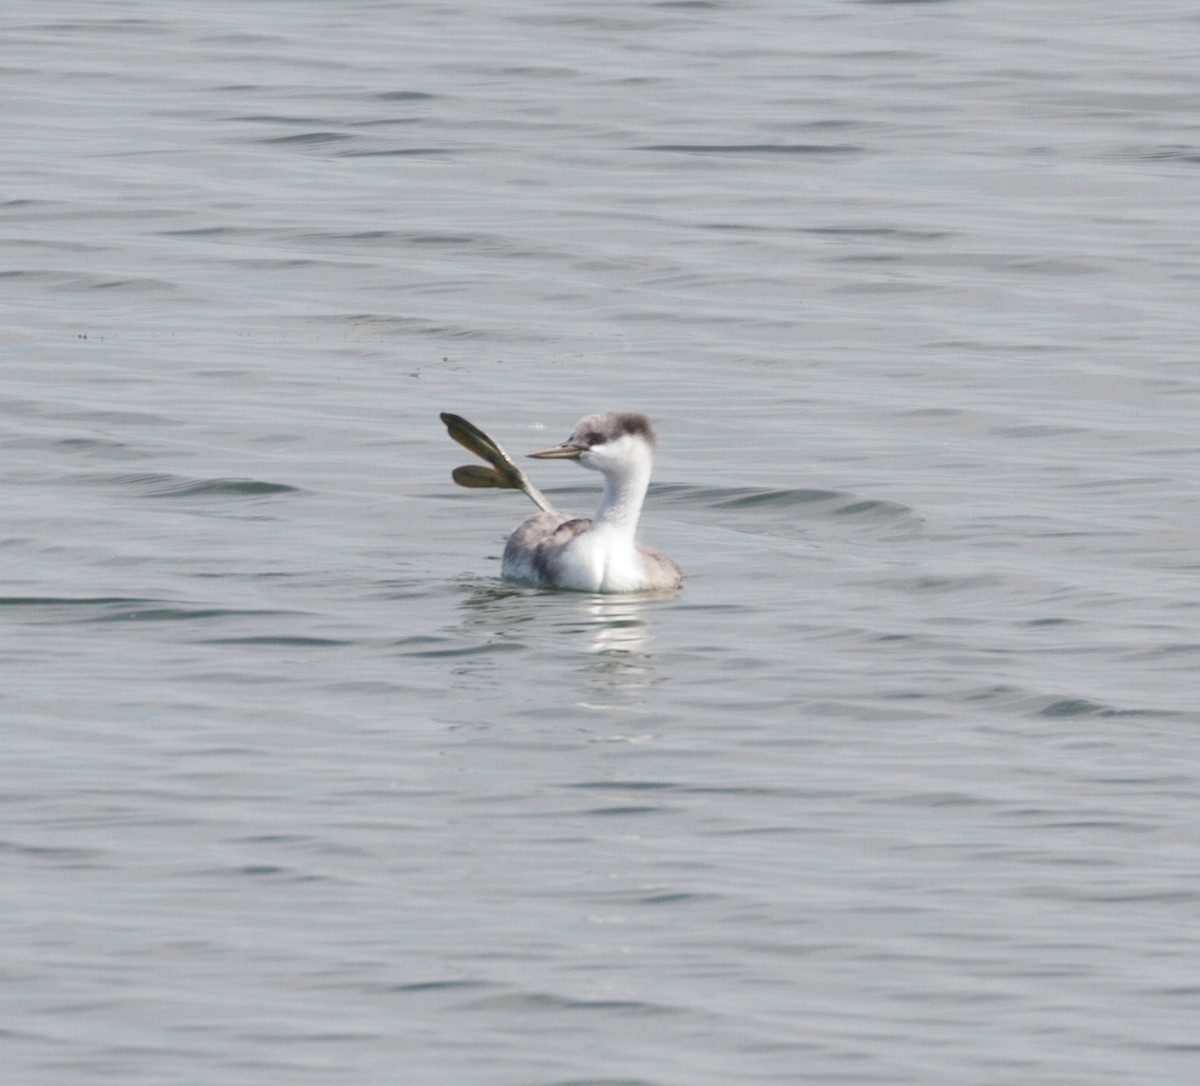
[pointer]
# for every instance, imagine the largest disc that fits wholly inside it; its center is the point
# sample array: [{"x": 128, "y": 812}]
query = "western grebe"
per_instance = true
[{"x": 597, "y": 555}]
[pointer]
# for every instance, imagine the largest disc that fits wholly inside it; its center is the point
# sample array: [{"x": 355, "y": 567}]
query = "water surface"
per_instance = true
[{"x": 899, "y": 789}]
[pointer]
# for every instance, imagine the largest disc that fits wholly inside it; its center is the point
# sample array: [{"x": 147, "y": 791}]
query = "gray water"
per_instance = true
[{"x": 902, "y": 786}]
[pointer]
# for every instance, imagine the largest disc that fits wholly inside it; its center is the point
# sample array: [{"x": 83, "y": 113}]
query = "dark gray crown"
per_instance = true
[{"x": 617, "y": 424}]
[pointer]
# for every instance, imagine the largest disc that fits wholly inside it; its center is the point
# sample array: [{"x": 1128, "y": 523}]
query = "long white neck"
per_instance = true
[{"x": 624, "y": 493}]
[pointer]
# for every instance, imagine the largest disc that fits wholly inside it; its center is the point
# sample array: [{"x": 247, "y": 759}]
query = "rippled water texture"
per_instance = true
[{"x": 900, "y": 789}]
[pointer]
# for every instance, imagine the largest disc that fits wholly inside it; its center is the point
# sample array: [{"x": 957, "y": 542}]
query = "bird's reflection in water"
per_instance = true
[
  {"x": 622, "y": 662},
  {"x": 617, "y": 625},
  {"x": 613, "y": 631}
]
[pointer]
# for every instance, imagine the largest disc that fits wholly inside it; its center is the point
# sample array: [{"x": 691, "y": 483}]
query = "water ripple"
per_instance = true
[
  {"x": 755, "y": 148},
  {"x": 163, "y": 485}
]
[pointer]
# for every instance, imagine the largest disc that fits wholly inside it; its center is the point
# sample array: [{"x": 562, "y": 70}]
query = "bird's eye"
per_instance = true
[{"x": 594, "y": 438}]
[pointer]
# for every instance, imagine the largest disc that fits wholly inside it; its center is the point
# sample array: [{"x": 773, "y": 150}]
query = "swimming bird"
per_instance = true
[{"x": 600, "y": 554}]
